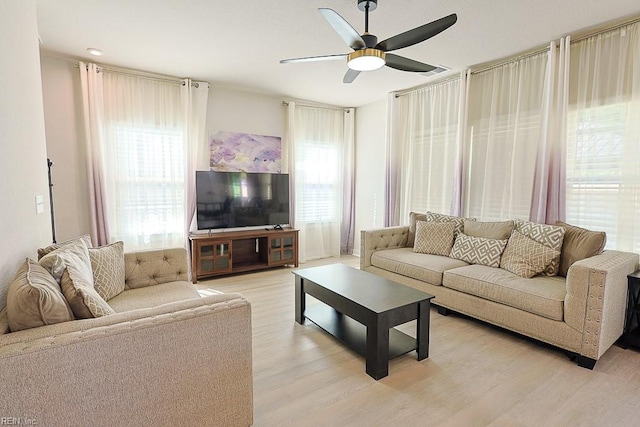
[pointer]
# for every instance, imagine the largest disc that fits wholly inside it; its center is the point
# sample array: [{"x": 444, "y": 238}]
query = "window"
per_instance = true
[
  {"x": 317, "y": 172},
  {"x": 149, "y": 185},
  {"x": 603, "y": 176}
]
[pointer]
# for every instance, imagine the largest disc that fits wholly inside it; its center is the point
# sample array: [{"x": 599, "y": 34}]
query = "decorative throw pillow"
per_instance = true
[
  {"x": 43, "y": 251},
  {"x": 74, "y": 254},
  {"x": 107, "y": 263},
  {"x": 550, "y": 236},
  {"x": 70, "y": 265},
  {"x": 413, "y": 218},
  {"x": 478, "y": 250},
  {"x": 490, "y": 230},
  {"x": 526, "y": 257},
  {"x": 579, "y": 243},
  {"x": 457, "y": 220},
  {"x": 34, "y": 299},
  {"x": 434, "y": 238},
  {"x": 83, "y": 299}
]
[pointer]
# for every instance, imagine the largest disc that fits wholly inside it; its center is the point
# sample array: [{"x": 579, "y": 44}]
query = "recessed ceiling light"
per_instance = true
[{"x": 94, "y": 51}]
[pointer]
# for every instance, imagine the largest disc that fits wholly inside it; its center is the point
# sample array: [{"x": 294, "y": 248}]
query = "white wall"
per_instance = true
[
  {"x": 65, "y": 145},
  {"x": 371, "y": 134},
  {"x": 247, "y": 112},
  {"x": 23, "y": 158}
]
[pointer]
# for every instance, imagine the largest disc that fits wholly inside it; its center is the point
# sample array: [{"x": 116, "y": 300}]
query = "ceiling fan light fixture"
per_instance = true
[{"x": 366, "y": 59}]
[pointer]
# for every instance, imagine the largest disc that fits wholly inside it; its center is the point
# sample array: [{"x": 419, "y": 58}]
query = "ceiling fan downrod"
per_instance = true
[{"x": 367, "y": 6}]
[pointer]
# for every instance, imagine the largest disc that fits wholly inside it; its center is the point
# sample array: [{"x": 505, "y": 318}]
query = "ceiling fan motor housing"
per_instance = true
[
  {"x": 363, "y": 3},
  {"x": 369, "y": 40}
]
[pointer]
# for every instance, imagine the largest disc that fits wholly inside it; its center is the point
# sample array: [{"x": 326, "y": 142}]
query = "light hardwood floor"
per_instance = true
[{"x": 476, "y": 375}]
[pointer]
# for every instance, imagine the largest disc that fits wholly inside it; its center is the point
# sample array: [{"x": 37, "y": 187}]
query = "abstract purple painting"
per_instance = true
[{"x": 244, "y": 152}]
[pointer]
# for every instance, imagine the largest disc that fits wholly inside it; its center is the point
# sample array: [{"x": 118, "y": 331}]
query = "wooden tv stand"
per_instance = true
[{"x": 227, "y": 252}]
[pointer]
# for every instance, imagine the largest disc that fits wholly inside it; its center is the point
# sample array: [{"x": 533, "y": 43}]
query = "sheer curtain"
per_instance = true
[
  {"x": 548, "y": 198},
  {"x": 195, "y": 96},
  {"x": 603, "y": 136},
  {"x": 316, "y": 145},
  {"x": 143, "y": 137},
  {"x": 505, "y": 106},
  {"x": 425, "y": 141},
  {"x": 92, "y": 108}
]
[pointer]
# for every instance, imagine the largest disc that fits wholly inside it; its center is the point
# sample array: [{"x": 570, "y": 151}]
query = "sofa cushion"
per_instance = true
[
  {"x": 413, "y": 218},
  {"x": 541, "y": 295},
  {"x": 491, "y": 230},
  {"x": 434, "y": 238},
  {"x": 478, "y": 250},
  {"x": 549, "y": 235},
  {"x": 526, "y": 257},
  {"x": 107, "y": 264},
  {"x": 579, "y": 243},
  {"x": 153, "y": 296},
  {"x": 457, "y": 220},
  {"x": 35, "y": 299},
  {"x": 75, "y": 254},
  {"x": 43, "y": 251},
  {"x": 425, "y": 267}
]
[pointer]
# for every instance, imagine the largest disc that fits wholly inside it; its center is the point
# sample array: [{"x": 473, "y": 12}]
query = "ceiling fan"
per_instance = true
[{"x": 369, "y": 54}]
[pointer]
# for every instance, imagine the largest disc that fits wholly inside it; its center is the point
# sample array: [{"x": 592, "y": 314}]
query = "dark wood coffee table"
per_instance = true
[{"x": 361, "y": 310}]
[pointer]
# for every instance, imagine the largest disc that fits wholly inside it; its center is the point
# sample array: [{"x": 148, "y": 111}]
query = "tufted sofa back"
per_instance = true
[{"x": 148, "y": 268}]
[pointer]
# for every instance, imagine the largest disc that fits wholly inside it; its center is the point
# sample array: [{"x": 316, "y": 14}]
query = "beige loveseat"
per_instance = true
[
  {"x": 166, "y": 357},
  {"x": 582, "y": 313}
]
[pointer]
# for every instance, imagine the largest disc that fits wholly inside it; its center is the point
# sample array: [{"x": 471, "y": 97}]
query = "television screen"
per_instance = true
[{"x": 241, "y": 199}]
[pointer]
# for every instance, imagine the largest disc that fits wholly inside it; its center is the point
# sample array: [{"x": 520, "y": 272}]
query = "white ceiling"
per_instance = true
[{"x": 238, "y": 43}]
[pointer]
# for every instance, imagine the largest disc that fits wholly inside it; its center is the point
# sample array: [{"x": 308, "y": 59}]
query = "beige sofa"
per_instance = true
[
  {"x": 582, "y": 313},
  {"x": 167, "y": 357}
]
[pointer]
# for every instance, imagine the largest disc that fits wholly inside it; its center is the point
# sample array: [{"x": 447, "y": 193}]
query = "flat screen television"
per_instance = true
[{"x": 241, "y": 199}]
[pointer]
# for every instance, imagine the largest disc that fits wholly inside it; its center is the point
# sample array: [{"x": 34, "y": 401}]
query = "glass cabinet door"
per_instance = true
[
  {"x": 282, "y": 249},
  {"x": 215, "y": 257}
]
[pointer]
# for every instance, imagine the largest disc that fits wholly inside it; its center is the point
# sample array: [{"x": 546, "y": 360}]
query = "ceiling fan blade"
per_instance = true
[
  {"x": 350, "y": 75},
  {"x": 343, "y": 28},
  {"x": 314, "y": 58},
  {"x": 418, "y": 34},
  {"x": 405, "y": 64}
]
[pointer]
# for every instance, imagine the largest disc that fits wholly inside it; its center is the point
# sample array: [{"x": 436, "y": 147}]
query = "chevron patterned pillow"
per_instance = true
[
  {"x": 526, "y": 257},
  {"x": 550, "y": 236},
  {"x": 457, "y": 220},
  {"x": 478, "y": 250}
]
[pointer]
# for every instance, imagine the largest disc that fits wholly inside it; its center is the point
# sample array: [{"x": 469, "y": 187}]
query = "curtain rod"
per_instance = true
[
  {"x": 511, "y": 59},
  {"x": 608, "y": 29},
  {"x": 145, "y": 75},
  {"x": 325, "y": 107},
  {"x": 398, "y": 94},
  {"x": 537, "y": 51}
]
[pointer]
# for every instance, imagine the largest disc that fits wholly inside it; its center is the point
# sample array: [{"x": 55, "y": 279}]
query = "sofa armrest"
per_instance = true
[
  {"x": 381, "y": 238},
  {"x": 149, "y": 366},
  {"x": 148, "y": 268},
  {"x": 596, "y": 299}
]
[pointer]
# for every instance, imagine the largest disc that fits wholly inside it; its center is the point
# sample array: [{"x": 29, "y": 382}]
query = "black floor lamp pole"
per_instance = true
[{"x": 53, "y": 220}]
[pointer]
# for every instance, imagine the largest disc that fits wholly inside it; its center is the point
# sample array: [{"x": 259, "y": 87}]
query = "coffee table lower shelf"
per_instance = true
[{"x": 354, "y": 334}]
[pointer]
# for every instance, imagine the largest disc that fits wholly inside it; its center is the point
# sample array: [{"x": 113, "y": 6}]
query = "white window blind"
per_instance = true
[
  {"x": 150, "y": 185},
  {"x": 317, "y": 178},
  {"x": 603, "y": 174}
]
